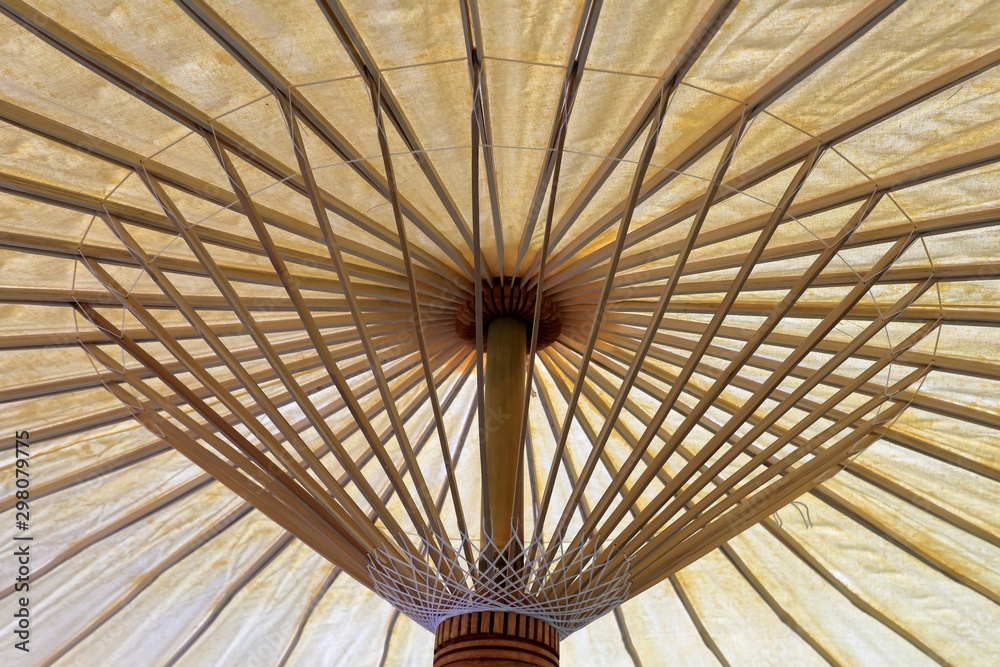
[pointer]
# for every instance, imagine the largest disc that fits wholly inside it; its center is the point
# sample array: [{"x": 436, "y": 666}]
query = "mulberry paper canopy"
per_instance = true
[{"x": 242, "y": 245}]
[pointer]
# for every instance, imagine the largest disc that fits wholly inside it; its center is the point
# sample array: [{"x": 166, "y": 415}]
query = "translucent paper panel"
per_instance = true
[{"x": 216, "y": 414}]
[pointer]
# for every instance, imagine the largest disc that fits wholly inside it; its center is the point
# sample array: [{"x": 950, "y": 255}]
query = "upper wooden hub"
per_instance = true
[{"x": 504, "y": 299}]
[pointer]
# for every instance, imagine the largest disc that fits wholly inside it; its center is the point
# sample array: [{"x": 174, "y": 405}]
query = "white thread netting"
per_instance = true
[{"x": 567, "y": 588}]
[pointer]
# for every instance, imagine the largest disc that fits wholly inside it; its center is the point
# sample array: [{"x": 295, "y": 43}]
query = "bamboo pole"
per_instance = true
[{"x": 505, "y": 385}]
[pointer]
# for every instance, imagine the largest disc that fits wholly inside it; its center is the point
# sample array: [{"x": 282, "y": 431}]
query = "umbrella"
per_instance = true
[{"x": 639, "y": 333}]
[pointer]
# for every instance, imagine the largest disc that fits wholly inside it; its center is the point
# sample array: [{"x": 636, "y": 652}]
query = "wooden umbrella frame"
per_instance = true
[{"x": 586, "y": 322}]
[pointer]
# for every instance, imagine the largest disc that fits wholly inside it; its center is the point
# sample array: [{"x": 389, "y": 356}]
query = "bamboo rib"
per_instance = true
[
  {"x": 569, "y": 92},
  {"x": 721, "y": 313},
  {"x": 889, "y": 183},
  {"x": 472, "y": 32},
  {"x": 198, "y": 483},
  {"x": 273, "y": 414},
  {"x": 241, "y": 511},
  {"x": 155, "y": 504},
  {"x": 913, "y": 398},
  {"x": 261, "y": 341},
  {"x": 783, "y": 340},
  {"x": 201, "y": 538},
  {"x": 703, "y": 632},
  {"x": 295, "y": 470},
  {"x": 863, "y": 472},
  {"x": 268, "y": 484},
  {"x": 934, "y": 226},
  {"x": 855, "y": 599},
  {"x": 863, "y": 312},
  {"x": 280, "y": 400},
  {"x": 418, "y": 324},
  {"x": 679, "y": 527},
  {"x": 190, "y": 487},
  {"x": 161, "y": 301},
  {"x": 856, "y": 441},
  {"x": 208, "y": 192},
  {"x": 557, "y": 136},
  {"x": 564, "y": 365},
  {"x": 773, "y": 381},
  {"x": 687, "y": 55},
  {"x": 910, "y": 544},
  {"x": 842, "y": 132},
  {"x": 633, "y": 653},
  {"x": 591, "y": 433},
  {"x": 392, "y": 288},
  {"x": 776, "y": 606},
  {"x": 400, "y": 434},
  {"x": 304, "y": 486},
  {"x": 751, "y": 346},
  {"x": 896, "y": 275},
  {"x": 756, "y": 102},
  {"x": 713, "y": 363},
  {"x": 821, "y": 492},
  {"x": 649, "y": 148},
  {"x": 864, "y": 237},
  {"x": 859, "y": 440},
  {"x": 639, "y": 413},
  {"x": 663, "y": 354},
  {"x": 708, "y": 199},
  {"x": 351, "y": 559},
  {"x": 321, "y": 592},
  {"x": 272, "y": 79},
  {"x": 278, "y": 547},
  {"x": 148, "y": 91},
  {"x": 614, "y": 362},
  {"x": 476, "y": 122},
  {"x": 387, "y": 342},
  {"x": 359, "y": 54},
  {"x": 945, "y": 363}
]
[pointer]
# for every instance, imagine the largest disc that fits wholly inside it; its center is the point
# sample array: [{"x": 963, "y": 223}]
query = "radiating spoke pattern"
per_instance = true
[{"x": 247, "y": 259}]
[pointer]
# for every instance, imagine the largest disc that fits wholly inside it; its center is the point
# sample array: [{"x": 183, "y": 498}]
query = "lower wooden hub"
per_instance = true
[{"x": 494, "y": 639}]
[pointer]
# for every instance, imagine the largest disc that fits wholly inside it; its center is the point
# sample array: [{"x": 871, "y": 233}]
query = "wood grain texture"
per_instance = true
[
  {"x": 504, "y": 397},
  {"x": 495, "y": 638}
]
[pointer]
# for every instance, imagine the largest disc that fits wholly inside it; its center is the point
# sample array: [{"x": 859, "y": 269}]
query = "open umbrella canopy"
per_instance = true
[{"x": 670, "y": 324}]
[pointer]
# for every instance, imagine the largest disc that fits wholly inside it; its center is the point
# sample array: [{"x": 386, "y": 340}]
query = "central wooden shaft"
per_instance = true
[{"x": 505, "y": 383}]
